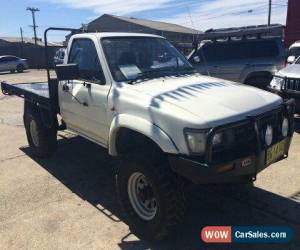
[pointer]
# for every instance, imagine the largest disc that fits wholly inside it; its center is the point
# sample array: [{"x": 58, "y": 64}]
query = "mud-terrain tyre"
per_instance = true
[
  {"x": 141, "y": 180},
  {"x": 41, "y": 139},
  {"x": 20, "y": 68}
]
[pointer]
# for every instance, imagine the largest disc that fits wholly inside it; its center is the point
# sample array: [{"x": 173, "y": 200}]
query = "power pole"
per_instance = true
[
  {"x": 22, "y": 41},
  {"x": 270, "y": 11},
  {"x": 21, "y": 32},
  {"x": 34, "y": 26}
]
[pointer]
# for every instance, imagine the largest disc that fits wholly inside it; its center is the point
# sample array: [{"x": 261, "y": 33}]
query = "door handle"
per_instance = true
[
  {"x": 65, "y": 87},
  {"x": 87, "y": 85}
]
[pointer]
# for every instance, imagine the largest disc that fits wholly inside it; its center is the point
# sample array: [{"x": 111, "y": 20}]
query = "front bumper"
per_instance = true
[{"x": 242, "y": 169}]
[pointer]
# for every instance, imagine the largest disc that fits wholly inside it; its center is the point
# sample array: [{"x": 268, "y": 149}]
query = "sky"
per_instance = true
[{"x": 197, "y": 14}]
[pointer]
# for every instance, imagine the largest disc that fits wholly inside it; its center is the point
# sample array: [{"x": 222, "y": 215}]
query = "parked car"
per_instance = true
[
  {"x": 286, "y": 83},
  {"x": 294, "y": 52},
  {"x": 137, "y": 96},
  {"x": 59, "y": 56},
  {"x": 12, "y": 64},
  {"x": 248, "y": 61}
]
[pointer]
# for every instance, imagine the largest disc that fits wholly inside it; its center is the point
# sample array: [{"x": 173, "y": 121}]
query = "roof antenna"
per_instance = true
[
  {"x": 195, "y": 39},
  {"x": 190, "y": 16}
]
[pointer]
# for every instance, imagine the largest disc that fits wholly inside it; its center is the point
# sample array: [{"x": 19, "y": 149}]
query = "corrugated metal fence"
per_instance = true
[{"x": 34, "y": 54}]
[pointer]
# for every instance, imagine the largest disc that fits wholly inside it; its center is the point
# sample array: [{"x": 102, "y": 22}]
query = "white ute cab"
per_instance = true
[{"x": 137, "y": 96}]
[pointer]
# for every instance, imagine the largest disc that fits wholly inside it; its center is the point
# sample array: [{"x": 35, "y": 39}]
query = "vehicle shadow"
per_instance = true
[
  {"x": 87, "y": 170},
  {"x": 9, "y": 73}
]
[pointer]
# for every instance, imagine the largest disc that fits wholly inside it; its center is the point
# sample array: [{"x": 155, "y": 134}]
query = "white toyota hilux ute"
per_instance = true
[{"x": 137, "y": 96}]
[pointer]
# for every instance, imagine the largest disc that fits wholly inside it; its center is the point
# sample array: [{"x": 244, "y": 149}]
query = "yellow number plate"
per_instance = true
[{"x": 275, "y": 152}]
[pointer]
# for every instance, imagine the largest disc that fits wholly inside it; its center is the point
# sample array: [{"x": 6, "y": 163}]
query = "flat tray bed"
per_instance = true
[{"x": 37, "y": 93}]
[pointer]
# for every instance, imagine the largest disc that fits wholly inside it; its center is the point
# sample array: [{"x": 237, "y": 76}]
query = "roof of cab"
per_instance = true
[
  {"x": 115, "y": 34},
  {"x": 295, "y": 44}
]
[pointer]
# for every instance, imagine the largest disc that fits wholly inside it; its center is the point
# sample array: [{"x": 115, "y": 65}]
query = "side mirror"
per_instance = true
[
  {"x": 291, "y": 59},
  {"x": 67, "y": 72},
  {"x": 196, "y": 59}
]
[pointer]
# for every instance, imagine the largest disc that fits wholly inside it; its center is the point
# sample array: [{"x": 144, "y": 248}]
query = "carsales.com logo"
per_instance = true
[{"x": 246, "y": 234}]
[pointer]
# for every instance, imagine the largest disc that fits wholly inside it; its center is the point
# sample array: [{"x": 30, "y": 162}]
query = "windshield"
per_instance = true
[
  {"x": 294, "y": 51},
  {"x": 134, "y": 58}
]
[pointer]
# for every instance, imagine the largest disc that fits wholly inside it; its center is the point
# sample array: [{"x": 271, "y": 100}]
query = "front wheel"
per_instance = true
[
  {"x": 41, "y": 139},
  {"x": 152, "y": 196},
  {"x": 20, "y": 68}
]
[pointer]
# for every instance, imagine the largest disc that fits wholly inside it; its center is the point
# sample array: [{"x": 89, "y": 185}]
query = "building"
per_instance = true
[
  {"x": 180, "y": 36},
  {"x": 26, "y": 48},
  {"x": 292, "y": 31}
]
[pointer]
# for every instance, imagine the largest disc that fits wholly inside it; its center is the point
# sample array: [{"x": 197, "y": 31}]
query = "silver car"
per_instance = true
[
  {"x": 286, "y": 83},
  {"x": 248, "y": 61},
  {"x": 12, "y": 64}
]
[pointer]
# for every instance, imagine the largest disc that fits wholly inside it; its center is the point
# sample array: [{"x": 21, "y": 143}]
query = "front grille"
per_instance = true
[
  {"x": 275, "y": 120},
  {"x": 292, "y": 84},
  {"x": 241, "y": 141},
  {"x": 238, "y": 142}
]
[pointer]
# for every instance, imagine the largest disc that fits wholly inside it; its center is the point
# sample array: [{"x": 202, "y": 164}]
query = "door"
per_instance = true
[
  {"x": 3, "y": 64},
  {"x": 232, "y": 59},
  {"x": 84, "y": 104},
  {"x": 12, "y": 62}
]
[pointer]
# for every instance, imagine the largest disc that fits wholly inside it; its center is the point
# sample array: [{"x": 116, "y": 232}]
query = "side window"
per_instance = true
[
  {"x": 208, "y": 52},
  {"x": 11, "y": 59},
  {"x": 223, "y": 51},
  {"x": 294, "y": 52},
  {"x": 4, "y": 59},
  {"x": 237, "y": 50},
  {"x": 83, "y": 53},
  {"x": 263, "y": 49}
]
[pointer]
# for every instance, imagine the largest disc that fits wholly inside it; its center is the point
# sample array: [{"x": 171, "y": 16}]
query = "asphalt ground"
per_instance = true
[{"x": 69, "y": 201}]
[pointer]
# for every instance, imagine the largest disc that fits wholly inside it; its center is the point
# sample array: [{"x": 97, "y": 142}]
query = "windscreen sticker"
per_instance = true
[{"x": 130, "y": 71}]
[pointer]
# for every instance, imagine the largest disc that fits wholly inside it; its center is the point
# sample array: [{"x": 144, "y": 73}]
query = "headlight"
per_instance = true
[
  {"x": 196, "y": 141},
  {"x": 217, "y": 139},
  {"x": 269, "y": 135},
  {"x": 277, "y": 82},
  {"x": 285, "y": 127}
]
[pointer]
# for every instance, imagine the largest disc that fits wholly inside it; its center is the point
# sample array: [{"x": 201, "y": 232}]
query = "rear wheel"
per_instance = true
[
  {"x": 20, "y": 68},
  {"x": 151, "y": 195},
  {"x": 41, "y": 139}
]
